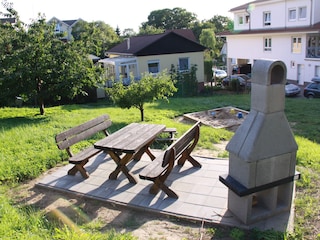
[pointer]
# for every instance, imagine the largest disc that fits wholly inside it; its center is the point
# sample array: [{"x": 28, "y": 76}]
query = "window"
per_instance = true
[
  {"x": 313, "y": 46},
  {"x": 267, "y": 44},
  {"x": 302, "y": 12},
  {"x": 296, "y": 45},
  {"x": 153, "y": 66},
  {"x": 292, "y": 14},
  {"x": 241, "y": 20},
  {"x": 247, "y": 18},
  {"x": 267, "y": 18},
  {"x": 184, "y": 64},
  {"x": 57, "y": 28}
]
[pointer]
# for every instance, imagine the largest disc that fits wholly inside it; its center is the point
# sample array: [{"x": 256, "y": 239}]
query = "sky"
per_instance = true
[{"x": 122, "y": 13}]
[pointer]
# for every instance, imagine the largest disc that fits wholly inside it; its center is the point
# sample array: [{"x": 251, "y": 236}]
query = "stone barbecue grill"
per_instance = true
[{"x": 262, "y": 153}]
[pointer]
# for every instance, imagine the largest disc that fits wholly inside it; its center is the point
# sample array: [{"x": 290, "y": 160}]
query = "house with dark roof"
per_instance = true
[
  {"x": 154, "y": 54},
  {"x": 64, "y": 27},
  {"x": 286, "y": 30},
  {"x": 10, "y": 20}
]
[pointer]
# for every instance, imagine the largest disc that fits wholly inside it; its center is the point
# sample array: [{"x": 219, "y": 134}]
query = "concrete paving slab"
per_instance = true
[{"x": 202, "y": 196}]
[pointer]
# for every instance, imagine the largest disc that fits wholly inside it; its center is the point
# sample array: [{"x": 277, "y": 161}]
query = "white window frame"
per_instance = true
[
  {"x": 247, "y": 19},
  {"x": 267, "y": 18},
  {"x": 302, "y": 13},
  {"x": 296, "y": 45},
  {"x": 240, "y": 19},
  {"x": 292, "y": 12},
  {"x": 267, "y": 44},
  {"x": 184, "y": 67},
  {"x": 153, "y": 69}
]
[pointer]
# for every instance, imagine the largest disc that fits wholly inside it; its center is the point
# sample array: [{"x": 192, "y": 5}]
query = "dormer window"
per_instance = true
[
  {"x": 267, "y": 18},
  {"x": 240, "y": 20},
  {"x": 292, "y": 14},
  {"x": 302, "y": 13},
  {"x": 247, "y": 18}
]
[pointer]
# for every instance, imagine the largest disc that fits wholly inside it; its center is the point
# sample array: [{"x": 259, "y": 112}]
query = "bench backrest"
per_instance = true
[
  {"x": 76, "y": 134},
  {"x": 188, "y": 140}
]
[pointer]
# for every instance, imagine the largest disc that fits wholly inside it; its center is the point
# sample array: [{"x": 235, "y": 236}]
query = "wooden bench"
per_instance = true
[
  {"x": 179, "y": 151},
  {"x": 77, "y": 134},
  {"x": 167, "y": 135}
]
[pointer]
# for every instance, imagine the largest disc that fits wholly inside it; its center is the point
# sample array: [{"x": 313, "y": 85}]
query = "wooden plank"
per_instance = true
[
  {"x": 82, "y": 127},
  {"x": 84, "y": 154},
  {"x": 131, "y": 138}
]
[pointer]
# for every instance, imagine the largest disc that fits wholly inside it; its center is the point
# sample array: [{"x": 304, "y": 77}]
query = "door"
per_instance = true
[
  {"x": 317, "y": 73},
  {"x": 300, "y": 77}
]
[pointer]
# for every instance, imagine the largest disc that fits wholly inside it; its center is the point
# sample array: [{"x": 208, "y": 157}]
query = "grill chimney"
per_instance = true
[
  {"x": 262, "y": 153},
  {"x": 128, "y": 43}
]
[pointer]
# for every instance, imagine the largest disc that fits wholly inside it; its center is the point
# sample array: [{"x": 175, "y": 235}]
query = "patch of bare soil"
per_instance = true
[{"x": 227, "y": 117}]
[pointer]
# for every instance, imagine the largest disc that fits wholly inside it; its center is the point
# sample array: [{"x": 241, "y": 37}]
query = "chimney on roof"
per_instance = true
[{"x": 128, "y": 43}]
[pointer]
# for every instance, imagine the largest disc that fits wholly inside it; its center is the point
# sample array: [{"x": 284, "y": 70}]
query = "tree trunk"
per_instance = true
[
  {"x": 41, "y": 106},
  {"x": 40, "y": 97},
  {"x": 141, "y": 113}
]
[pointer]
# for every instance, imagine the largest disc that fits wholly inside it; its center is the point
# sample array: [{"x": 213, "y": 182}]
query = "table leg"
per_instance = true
[
  {"x": 144, "y": 149},
  {"x": 121, "y": 166}
]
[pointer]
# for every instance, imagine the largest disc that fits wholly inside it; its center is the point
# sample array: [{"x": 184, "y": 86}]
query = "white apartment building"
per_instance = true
[{"x": 286, "y": 30}]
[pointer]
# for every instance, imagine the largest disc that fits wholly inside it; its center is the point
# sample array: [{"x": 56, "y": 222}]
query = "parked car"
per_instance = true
[
  {"x": 218, "y": 73},
  {"x": 312, "y": 90},
  {"x": 244, "y": 80},
  {"x": 292, "y": 89}
]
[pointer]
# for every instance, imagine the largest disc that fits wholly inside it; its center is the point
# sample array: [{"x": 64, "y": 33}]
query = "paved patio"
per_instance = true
[{"x": 202, "y": 196}]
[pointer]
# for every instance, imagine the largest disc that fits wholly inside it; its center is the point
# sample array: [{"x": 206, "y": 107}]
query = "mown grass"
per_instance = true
[{"x": 28, "y": 149}]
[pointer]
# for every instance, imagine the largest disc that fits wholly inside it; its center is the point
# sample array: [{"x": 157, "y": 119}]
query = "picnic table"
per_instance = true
[{"x": 128, "y": 143}]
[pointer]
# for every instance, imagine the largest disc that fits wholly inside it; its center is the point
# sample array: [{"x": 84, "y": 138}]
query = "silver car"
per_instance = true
[{"x": 292, "y": 90}]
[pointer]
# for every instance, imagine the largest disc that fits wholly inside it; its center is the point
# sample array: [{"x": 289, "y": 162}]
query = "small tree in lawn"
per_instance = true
[{"x": 147, "y": 89}]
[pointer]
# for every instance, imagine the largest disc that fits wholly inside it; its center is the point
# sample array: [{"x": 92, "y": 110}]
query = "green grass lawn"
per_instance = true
[{"x": 28, "y": 149}]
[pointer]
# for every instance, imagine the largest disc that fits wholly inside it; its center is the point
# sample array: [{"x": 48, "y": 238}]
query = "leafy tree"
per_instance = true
[
  {"x": 208, "y": 38},
  {"x": 176, "y": 18},
  {"x": 35, "y": 63},
  {"x": 118, "y": 31},
  {"x": 197, "y": 27},
  {"x": 128, "y": 32},
  {"x": 149, "y": 30},
  {"x": 148, "y": 89},
  {"x": 96, "y": 36},
  {"x": 221, "y": 23},
  {"x": 186, "y": 82}
]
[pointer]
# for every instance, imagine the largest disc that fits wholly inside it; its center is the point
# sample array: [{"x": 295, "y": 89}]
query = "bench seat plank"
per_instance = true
[
  {"x": 84, "y": 155},
  {"x": 154, "y": 169}
]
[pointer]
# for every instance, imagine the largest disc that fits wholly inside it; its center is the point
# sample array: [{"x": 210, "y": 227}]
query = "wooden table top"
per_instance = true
[{"x": 131, "y": 138}]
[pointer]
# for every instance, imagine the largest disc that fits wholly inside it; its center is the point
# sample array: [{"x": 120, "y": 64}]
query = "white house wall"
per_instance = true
[
  {"x": 315, "y": 13},
  {"x": 279, "y": 10},
  {"x": 165, "y": 61},
  {"x": 251, "y": 46}
]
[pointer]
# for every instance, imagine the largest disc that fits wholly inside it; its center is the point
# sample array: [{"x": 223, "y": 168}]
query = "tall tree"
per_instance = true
[
  {"x": 35, "y": 63},
  {"x": 221, "y": 23},
  {"x": 148, "y": 89},
  {"x": 149, "y": 30},
  {"x": 128, "y": 32},
  {"x": 97, "y": 36},
  {"x": 176, "y": 18},
  {"x": 208, "y": 38}
]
